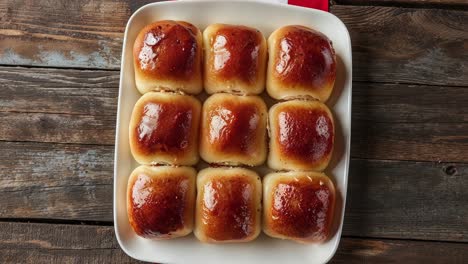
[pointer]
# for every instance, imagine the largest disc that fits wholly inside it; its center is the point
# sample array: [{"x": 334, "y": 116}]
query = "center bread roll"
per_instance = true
[
  {"x": 235, "y": 59},
  {"x": 233, "y": 130}
]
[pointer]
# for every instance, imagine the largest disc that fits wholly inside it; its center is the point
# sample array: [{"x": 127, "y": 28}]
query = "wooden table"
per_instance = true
[{"x": 408, "y": 182}]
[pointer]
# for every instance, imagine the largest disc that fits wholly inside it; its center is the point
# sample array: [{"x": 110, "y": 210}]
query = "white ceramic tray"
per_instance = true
[{"x": 265, "y": 17}]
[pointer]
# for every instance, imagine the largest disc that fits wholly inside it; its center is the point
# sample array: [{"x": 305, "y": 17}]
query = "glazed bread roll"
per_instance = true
[
  {"x": 228, "y": 205},
  {"x": 235, "y": 59},
  {"x": 164, "y": 129},
  {"x": 302, "y": 136},
  {"x": 167, "y": 56},
  {"x": 298, "y": 206},
  {"x": 302, "y": 62},
  {"x": 160, "y": 201},
  {"x": 233, "y": 130}
]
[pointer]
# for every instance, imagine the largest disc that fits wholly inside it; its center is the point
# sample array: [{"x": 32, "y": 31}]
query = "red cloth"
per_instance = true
[{"x": 317, "y": 4}]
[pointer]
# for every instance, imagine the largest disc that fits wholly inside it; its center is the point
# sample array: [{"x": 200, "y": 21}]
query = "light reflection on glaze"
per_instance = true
[
  {"x": 147, "y": 55},
  {"x": 221, "y": 54},
  {"x": 221, "y": 118},
  {"x": 141, "y": 192},
  {"x": 149, "y": 121},
  {"x": 282, "y": 66}
]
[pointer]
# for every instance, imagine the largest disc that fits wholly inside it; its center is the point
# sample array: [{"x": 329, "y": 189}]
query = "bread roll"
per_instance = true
[
  {"x": 228, "y": 205},
  {"x": 298, "y": 206},
  {"x": 160, "y": 201},
  {"x": 167, "y": 56},
  {"x": 302, "y": 136},
  {"x": 164, "y": 129},
  {"x": 233, "y": 130},
  {"x": 302, "y": 62},
  {"x": 235, "y": 59}
]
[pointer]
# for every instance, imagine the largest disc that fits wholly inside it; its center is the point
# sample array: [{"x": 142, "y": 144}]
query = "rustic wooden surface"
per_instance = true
[{"x": 59, "y": 63}]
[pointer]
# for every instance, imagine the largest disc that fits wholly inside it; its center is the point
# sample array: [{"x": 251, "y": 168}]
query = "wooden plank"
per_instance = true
[
  {"x": 416, "y": 3},
  {"x": 390, "y": 44},
  {"x": 58, "y": 91},
  {"x": 371, "y": 138},
  {"x": 86, "y": 34},
  {"x": 84, "y": 92},
  {"x": 60, "y": 128},
  {"x": 61, "y": 33},
  {"x": 425, "y": 46},
  {"x": 53, "y": 243},
  {"x": 397, "y": 199},
  {"x": 353, "y": 250},
  {"x": 410, "y": 141},
  {"x": 393, "y": 199},
  {"x": 390, "y": 121},
  {"x": 403, "y": 103},
  {"x": 50, "y": 243},
  {"x": 56, "y": 181}
]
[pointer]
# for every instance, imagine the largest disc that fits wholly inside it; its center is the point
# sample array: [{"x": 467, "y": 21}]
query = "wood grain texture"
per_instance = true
[
  {"x": 95, "y": 92},
  {"x": 45, "y": 243},
  {"x": 393, "y": 199},
  {"x": 85, "y": 34},
  {"x": 425, "y": 46},
  {"x": 352, "y": 250},
  {"x": 397, "y": 199},
  {"x": 58, "y": 91},
  {"x": 60, "y": 128},
  {"x": 390, "y": 44},
  {"x": 410, "y": 141},
  {"x": 56, "y": 181},
  {"x": 390, "y": 121}
]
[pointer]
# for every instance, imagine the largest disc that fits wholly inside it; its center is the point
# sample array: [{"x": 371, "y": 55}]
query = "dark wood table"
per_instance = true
[{"x": 408, "y": 181}]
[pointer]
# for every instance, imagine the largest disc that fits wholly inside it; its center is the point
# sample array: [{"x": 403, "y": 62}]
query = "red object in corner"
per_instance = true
[{"x": 317, "y": 4}]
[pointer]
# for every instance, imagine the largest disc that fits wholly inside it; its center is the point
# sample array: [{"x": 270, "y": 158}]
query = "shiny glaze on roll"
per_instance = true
[
  {"x": 167, "y": 49},
  {"x": 233, "y": 127},
  {"x": 228, "y": 209},
  {"x": 302, "y": 207},
  {"x": 157, "y": 206},
  {"x": 304, "y": 134},
  {"x": 236, "y": 52},
  {"x": 305, "y": 57},
  {"x": 164, "y": 127}
]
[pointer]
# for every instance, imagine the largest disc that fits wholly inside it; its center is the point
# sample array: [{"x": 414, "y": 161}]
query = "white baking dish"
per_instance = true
[{"x": 266, "y": 17}]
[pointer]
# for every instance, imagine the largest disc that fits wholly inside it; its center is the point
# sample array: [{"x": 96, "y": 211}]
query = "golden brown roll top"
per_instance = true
[
  {"x": 302, "y": 135},
  {"x": 235, "y": 59},
  {"x": 298, "y": 206},
  {"x": 167, "y": 56},
  {"x": 302, "y": 62},
  {"x": 233, "y": 130},
  {"x": 228, "y": 205},
  {"x": 160, "y": 201},
  {"x": 164, "y": 129}
]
